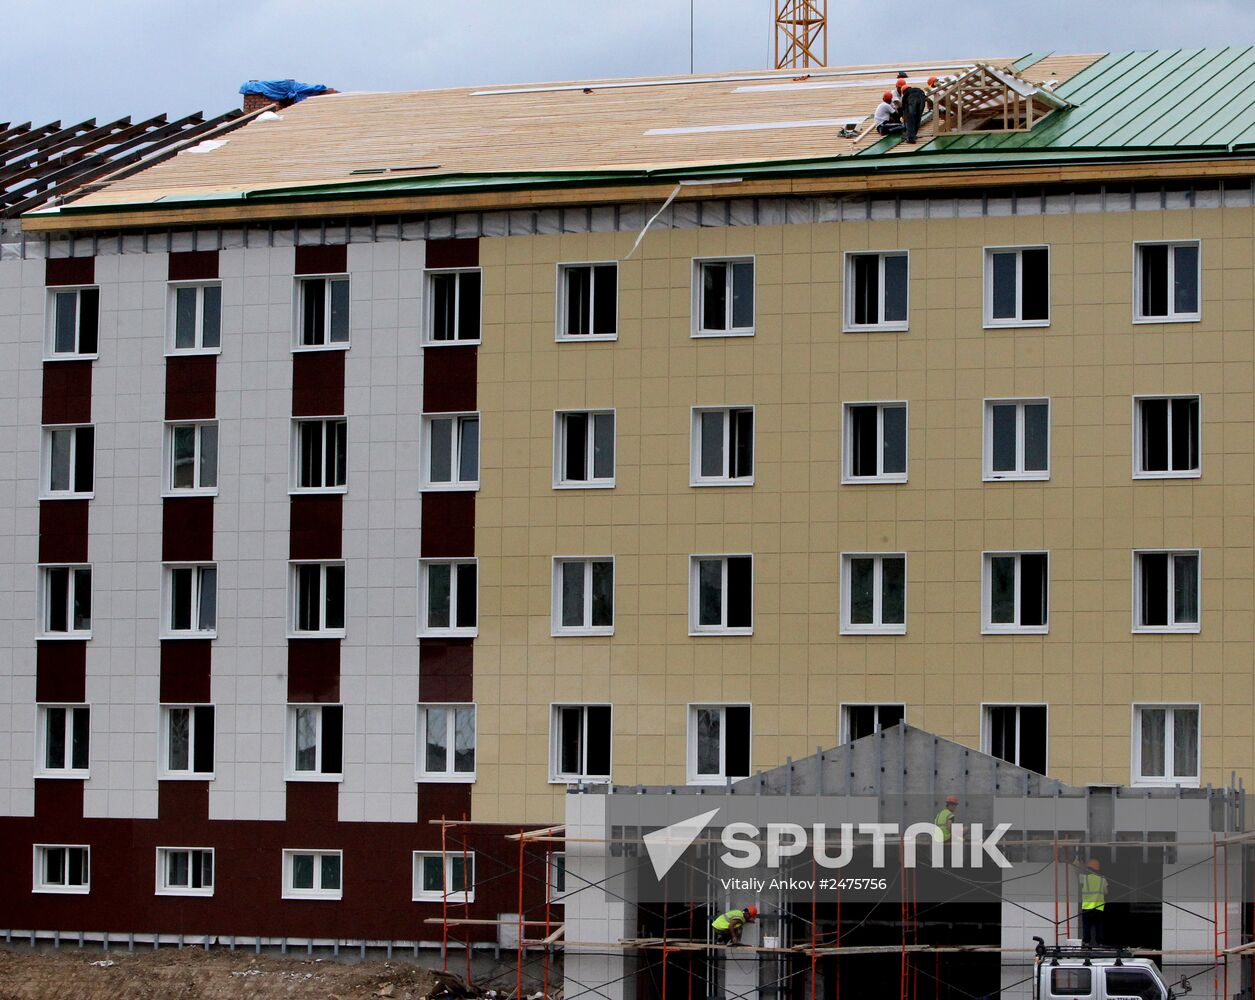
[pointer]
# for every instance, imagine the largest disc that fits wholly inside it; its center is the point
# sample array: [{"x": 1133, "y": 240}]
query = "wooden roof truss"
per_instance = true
[{"x": 987, "y": 99}]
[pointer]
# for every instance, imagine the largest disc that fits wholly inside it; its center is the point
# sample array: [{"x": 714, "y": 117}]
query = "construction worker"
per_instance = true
[
  {"x": 888, "y": 118},
  {"x": 945, "y": 819},
  {"x": 914, "y": 104},
  {"x": 1093, "y": 903},
  {"x": 728, "y": 926}
]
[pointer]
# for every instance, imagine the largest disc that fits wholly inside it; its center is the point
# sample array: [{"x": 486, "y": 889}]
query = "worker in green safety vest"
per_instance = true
[
  {"x": 945, "y": 819},
  {"x": 1093, "y": 903},
  {"x": 728, "y": 926}
]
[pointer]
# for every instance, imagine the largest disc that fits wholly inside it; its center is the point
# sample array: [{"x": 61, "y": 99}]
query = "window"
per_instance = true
[
  {"x": 858, "y": 721},
  {"x": 74, "y": 323},
  {"x": 191, "y": 602},
  {"x": 316, "y": 740},
  {"x": 583, "y": 454},
  {"x": 721, "y": 595},
  {"x": 588, "y": 307},
  {"x": 723, "y": 447},
  {"x": 876, "y": 291},
  {"x": 324, "y": 312},
  {"x": 196, "y": 319},
  {"x": 719, "y": 743},
  {"x": 62, "y": 869},
  {"x": 67, "y": 601},
  {"x": 580, "y": 738},
  {"x": 318, "y": 599},
  {"x": 313, "y": 874},
  {"x": 453, "y": 299},
  {"x": 185, "y": 871},
  {"x": 446, "y": 740},
  {"x": 1071, "y": 982},
  {"x": 66, "y": 739},
  {"x": 1166, "y": 744},
  {"x": 448, "y": 877},
  {"x": 1132, "y": 982},
  {"x": 557, "y": 875},
  {"x": 723, "y": 294},
  {"x": 1166, "y": 437},
  {"x": 188, "y": 740},
  {"x": 192, "y": 463},
  {"x": 451, "y": 450},
  {"x": 448, "y": 597},
  {"x": 1017, "y": 286},
  {"x": 1015, "y": 588},
  {"x": 874, "y": 589},
  {"x": 1017, "y": 439},
  {"x": 875, "y": 443},
  {"x": 1166, "y": 591},
  {"x": 1167, "y": 279},
  {"x": 1016, "y": 734},
  {"x": 69, "y": 457},
  {"x": 320, "y": 450},
  {"x": 583, "y": 596}
]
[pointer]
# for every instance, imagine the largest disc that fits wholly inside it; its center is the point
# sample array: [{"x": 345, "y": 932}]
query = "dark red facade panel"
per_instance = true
[
  {"x": 70, "y": 271},
  {"x": 194, "y": 265},
  {"x": 63, "y": 531},
  {"x": 185, "y": 671},
  {"x": 314, "y": 670},
  {"x": 183, "y": 807},
  {"x": 61, "y": 671},
  {"x": 314, "y": 802},
  {"x": 67, "y": 392},
  {"x": 449, "y": 379},
  {"x": 318, "y": 383},
  {"x": 331, "y": 259},
  {"x": 448, "y": 524},
  {"x": 191, "y": 387},
  {"x": 57, "y": 801},
  {"x": 187, "y": 529},
  {"x": 453, "y": 253},
  {"x": 445, "y": 670},
  {"x": 316, "y": 521}
]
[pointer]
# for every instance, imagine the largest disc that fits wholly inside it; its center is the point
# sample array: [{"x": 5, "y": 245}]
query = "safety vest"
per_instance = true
[
  {"x": 942, "y": 821},
  {"x": 1093, "y": 891},
  {"x": 724, "y": 921}
]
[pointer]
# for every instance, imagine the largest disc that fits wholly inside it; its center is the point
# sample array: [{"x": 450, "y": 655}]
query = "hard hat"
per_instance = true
[
  {"x": 952, "y": 800},
  {"x": 1093, "y": 864},
  {"x": 887, "y": 96},
  {"x": 932, "y": 81},
  {"x": 901, "y": 83},
  {"x": 751, "y": 911}
]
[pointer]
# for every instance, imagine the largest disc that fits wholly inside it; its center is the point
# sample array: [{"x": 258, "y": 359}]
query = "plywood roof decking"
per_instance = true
[{"x": 323, "y": 140}]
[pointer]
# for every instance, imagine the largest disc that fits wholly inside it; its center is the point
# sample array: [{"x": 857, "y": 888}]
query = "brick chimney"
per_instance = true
[{"x": 255, "y": 102}]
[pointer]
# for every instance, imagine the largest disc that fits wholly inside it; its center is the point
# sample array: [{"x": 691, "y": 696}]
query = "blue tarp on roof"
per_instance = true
[{"x": 283, "y": 90}]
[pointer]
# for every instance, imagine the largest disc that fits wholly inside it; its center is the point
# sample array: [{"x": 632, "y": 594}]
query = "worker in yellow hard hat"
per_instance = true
[
  {"x": 1093, "y": 903},
  {"x": 728, "y": 926}
]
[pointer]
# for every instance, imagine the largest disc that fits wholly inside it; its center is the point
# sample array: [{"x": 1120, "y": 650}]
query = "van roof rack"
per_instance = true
[{"x": 1087, "y": 952}]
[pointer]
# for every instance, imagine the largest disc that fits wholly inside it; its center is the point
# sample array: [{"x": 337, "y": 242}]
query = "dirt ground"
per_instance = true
[{"x": 92, "y": 974}]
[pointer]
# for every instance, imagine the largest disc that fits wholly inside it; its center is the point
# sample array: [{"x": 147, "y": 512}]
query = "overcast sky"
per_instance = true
[{"x": 77, "y": 59}]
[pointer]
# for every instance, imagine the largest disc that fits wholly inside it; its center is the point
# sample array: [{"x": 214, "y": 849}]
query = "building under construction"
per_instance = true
[{"x": 397, "y": 486}]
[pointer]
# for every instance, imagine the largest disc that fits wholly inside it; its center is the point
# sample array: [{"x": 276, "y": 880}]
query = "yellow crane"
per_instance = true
[{"x": 801, "y": 33}]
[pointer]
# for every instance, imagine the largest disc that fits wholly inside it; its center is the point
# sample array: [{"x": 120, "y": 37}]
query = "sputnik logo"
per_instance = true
[{"x": 667, "y": 846}]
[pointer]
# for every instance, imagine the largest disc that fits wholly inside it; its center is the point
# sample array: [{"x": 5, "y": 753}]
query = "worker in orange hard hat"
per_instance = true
[
  {"x": 888, "y": 119},
  {"x": 1093, "y": 903},
  {"x": 932, "y": 82},
  {"x": 728, "y": 926},
  {"x": 914, "y": 104},
  {"x": 944, "y": 820}
]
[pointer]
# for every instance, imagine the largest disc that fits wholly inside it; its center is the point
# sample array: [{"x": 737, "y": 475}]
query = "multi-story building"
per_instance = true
[{"x": 405, "y": 456}]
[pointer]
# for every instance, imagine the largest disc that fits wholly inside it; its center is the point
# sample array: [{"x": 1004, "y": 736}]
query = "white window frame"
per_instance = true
[
  {"x": 449, "y": 776},
  {"x": 172, "y": 318},
  {"x": 420, "y": 895},
  {"x": 294, "y": 599},
  {"x": 847, "y": 307},
  {"x": 555, "y": 622},
  {"x": 1172, "y": 316},
  {"x": 426, "y": 484},
  {"x": 291, "y": 892},
  {"x": 559, "y": 450},
  {"x": 987, "y": 731},
  {"x": 876, "y": 628},
  {"x": 847, "y": 443},
  {"x": 1005, "y": 323},
  {"x": 168, "y": 487},
  {"x": 164, "y": 771},
  {"x": 698, "y": 287},
  {"x": 429, "y": 305},
  {"x": 556, "y": 775},
  {"x": 42, "y": 770},
  {"x": 70, "y": 633},
  {"x": 46, "y": 492},
  {"x": 1165, "y": 781},
  {"x": 37, "y": 881},
  {"x": 986, "y": 588},
  {"x": 695, "y": 447},
  {"x": 987, "y": 437},
  {"x": 164, "y": 888},
  {"x": 695, "y": 598},
  {"x": 294, "y": 477},
  {"x": 289, "y": 740},
  {"x": 1138, "y": 472},
  {"x": 299, "y": 313},
  {"x": 1185, "y": 628},
  {"x": 426, "y": 631},
  {"x": 709, "y": 779},
  {"x": 50, "y": 324},
  {"x": 845, "y": 706},
  {"x": 168, "y": 631},
  {"x": 563, "y": 268},
  {"x": 558, "y": 870}
]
